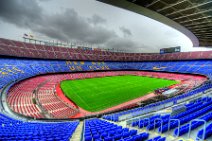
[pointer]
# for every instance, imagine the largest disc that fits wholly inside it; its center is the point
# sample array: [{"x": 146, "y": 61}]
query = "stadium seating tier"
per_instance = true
[
  {"x": 13, "y": 70},
  {"x": 23, "y": 49}
]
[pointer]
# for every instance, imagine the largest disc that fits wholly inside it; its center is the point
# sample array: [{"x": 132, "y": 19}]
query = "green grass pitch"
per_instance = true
[{"x": 95, "y": 94}]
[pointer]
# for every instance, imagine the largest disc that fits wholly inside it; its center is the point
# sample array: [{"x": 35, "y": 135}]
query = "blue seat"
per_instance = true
[
  {"x": 104, "y": 134},
  {"x": 117, "y": 136},
  {"x": 144, "y": 136},
  {"x": 162, "y": 139},
  {"x": 133, "y": 132},
  {"x": 108, "y": 139},
  {"x": 156, "y": 138},
  {"x": 111, "y": 133},
  {"x": 128, "y": 139},
  {"x": 18, "y": 130},
  {"x": 126, "y": 134},
  {"x": 96, "y": 136},
  {"x": 136, "y": 138}
]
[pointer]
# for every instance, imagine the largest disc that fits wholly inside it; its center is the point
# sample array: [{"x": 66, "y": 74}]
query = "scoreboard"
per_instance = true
[{"x": 170, "y": 50}]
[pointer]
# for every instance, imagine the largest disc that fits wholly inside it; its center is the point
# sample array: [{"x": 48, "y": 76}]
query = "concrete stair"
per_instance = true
[{"x": 77, "y": 134}]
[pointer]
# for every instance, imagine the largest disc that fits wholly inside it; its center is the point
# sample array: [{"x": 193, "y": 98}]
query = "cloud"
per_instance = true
[
  {"x": 65, "y": 26},
  {"x": 20, "y": 12},
  {"x": 44, "y": 0},
  {"x": 69, "y": 25},
  {"x": 95, "y": 19},
  {"x": 125, "y": 31}
]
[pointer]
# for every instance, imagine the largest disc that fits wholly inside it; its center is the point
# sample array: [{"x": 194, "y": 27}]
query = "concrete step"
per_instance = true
[
  {"x": 185, "y": 139},
  {"x": 77, "y": 134}
]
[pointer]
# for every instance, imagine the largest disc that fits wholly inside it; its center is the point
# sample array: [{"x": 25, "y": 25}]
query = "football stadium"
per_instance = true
[{"x": 105, "y": 86}]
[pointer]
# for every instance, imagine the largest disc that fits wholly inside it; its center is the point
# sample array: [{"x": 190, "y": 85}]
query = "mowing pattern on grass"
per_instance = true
[{"x": 95, "y": 94}]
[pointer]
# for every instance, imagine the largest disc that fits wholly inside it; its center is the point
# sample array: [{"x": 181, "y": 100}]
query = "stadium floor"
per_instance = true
[{"x": 96, "y": 94}]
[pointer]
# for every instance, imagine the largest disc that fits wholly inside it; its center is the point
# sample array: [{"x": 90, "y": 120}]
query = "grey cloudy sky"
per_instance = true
[{"x": 90, "y": 22}]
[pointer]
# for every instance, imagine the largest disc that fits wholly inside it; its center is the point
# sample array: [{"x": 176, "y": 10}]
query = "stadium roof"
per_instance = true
[{"x": 183, "y": 15}]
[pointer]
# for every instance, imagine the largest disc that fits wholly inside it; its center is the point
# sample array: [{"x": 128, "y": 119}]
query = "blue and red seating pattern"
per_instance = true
[
  {"x": 13, "y": 69},
  {"x": 23, "y": 49}
]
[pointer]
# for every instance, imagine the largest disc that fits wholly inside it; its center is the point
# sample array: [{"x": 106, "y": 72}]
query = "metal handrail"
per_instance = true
[
  {"x": 204, "y": 129},
  {"x": 178, "y": 125},
  {"x": 139, "y": 123},
  {"x": 161, "y": 124},
  {"x": 146, "y": 119}
]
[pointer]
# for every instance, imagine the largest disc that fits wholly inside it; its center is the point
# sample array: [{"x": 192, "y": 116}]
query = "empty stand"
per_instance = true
[
  {"x": 20, "y": 98},
  {"x": 34, "y": 96},
  {"x": 96, "y": 129},
  {"x": 22, "y": 49},
  {"x": 12, "y": 129},
  {"x": 183, "y": 122},
  {"x": 13, "y": 69},
  {"x": 37, "y": 96}
]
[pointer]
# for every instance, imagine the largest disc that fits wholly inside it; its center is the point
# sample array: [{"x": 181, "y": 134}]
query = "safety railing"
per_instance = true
[{"x": 204, "y": 128}]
